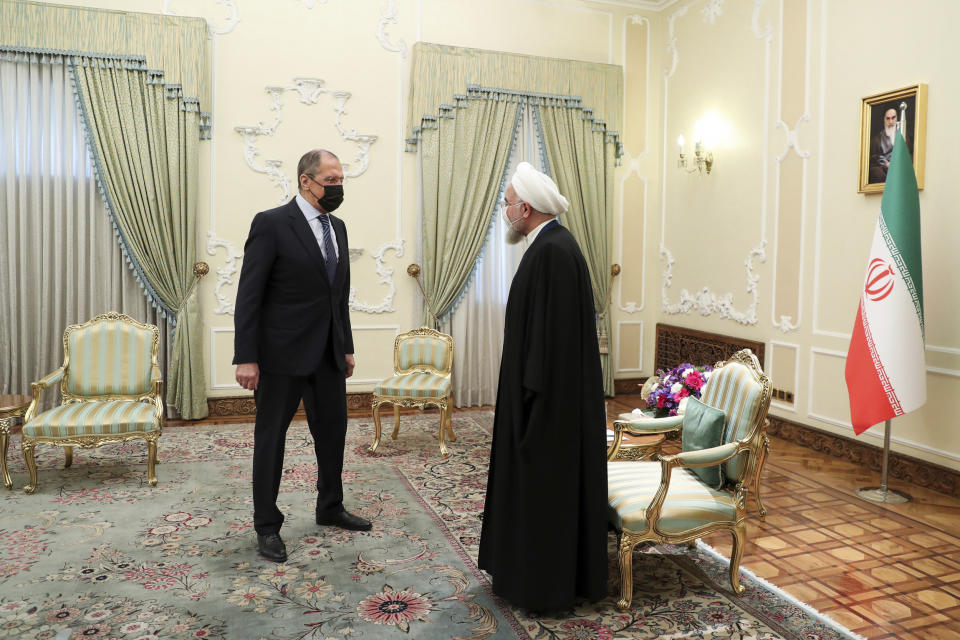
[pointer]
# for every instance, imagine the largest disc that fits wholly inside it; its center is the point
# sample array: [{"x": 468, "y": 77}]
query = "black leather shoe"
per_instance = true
[
  {"x": 271, "y": 547},
  {"x": 346, "y": 520}
]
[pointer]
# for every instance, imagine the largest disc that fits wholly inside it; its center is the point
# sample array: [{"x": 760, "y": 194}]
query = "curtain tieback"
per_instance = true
[{"x": 200, "y": 269}]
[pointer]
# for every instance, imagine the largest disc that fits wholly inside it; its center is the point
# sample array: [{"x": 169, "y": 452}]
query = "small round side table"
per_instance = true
[{"x": 11, "y": 407}]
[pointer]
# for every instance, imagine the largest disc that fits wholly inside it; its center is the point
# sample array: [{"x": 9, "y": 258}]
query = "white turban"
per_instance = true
[{"x": 539, "y": 190}]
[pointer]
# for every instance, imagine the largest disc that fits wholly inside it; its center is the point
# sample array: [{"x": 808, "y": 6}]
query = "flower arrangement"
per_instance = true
[{"x": 674, "y": 385}]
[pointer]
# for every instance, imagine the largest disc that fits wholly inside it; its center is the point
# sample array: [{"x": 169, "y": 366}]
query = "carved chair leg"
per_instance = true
[
  {"x": 450, "y": 434},
  {"x": 27, "y": 449},
  {"x": 441, "y": 435},
  {"x": 152, "y": 461},
  {"x": 376, "y": 427},
  {"x": 691, "y": 544},
  {"x": 764, "y": 453},
  {"x": 68, "y": 457},
  {"x": 4, "y": 445},
  {"x": 626, "y": 572},
  {"x": 736, "y": 555},
  {"x": 396, "y": 421}
]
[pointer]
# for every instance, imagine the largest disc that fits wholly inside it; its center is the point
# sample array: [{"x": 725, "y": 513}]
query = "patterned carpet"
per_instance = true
[{"x": 98, "y": 553}]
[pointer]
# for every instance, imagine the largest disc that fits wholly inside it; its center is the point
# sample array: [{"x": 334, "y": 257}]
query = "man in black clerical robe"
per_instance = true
[{"x": 544, "y": 536}]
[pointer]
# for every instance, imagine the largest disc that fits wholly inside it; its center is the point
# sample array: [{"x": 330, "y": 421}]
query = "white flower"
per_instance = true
[
  {"x": 687, "y": 372},
  {"x": 676, "y": 387}
]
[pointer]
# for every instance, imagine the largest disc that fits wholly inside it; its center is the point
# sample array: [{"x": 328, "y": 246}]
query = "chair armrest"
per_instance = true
[
  {"x": 647, "y": 426},
  {"x": 707, "y": 457},
  {"x": 37, "y": 388}
]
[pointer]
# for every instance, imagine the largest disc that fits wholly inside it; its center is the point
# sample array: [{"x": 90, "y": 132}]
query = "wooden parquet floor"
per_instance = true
[{"x": 883, "y": 571}]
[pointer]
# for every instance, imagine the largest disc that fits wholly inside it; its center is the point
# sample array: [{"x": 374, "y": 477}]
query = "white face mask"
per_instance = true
[
  {"x": 506, "y": 217},
  {"x": 513, "y": 235}
]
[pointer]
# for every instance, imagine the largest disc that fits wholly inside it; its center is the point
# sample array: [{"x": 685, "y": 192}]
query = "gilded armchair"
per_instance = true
[
  {"x": 666, "y": 501},
  {"x": 422, "y": 362},
  {"x": 110, "y": 383}
]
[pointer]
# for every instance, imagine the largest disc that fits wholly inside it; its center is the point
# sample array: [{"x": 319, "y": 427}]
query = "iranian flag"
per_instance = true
[{"x": 886, "y": 374}]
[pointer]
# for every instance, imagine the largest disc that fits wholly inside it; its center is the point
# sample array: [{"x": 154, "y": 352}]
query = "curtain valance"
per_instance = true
[
  {"x": 444, "y": 77},
  {"x": 173, "y": 49}
]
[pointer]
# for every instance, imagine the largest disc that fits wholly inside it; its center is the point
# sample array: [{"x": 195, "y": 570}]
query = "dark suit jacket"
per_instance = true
[{"x": 287, "y": 310}]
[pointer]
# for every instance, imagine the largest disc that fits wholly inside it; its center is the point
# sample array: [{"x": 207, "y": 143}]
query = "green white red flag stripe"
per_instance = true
[{"x": 886, "y": 371}]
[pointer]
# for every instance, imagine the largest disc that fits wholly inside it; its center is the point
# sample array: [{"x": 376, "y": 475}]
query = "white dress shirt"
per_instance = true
[
  {"x": 312, "y": 214},
  {"x": 536, "y": 230}
]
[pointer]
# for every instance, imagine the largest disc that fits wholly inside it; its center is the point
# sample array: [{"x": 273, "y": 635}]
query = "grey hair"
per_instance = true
[{"x": 311, "y": 160}]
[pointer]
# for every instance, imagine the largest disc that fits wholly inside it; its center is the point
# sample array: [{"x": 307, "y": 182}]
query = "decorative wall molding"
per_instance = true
[
  {"x": 232, "y": 19},
  {"x": 395, "y": 329},
  {"x": 309, "y": 90},
  {"x": 633, "y": 164},
  {"x": 796, "y": 373},
  {"x": 225, "y": 273},
  {"x": 213, "y": 360},
  {"x": 638, "y": 369},
  {"x": 385, "y": 274},
  {"x": 811, "y": 398},
  {"x": 712, "y": 10},
  {"x": 705, "y": 301},
  {"x": 389, "y": 15},
  {"x": 786, "y": 323}
]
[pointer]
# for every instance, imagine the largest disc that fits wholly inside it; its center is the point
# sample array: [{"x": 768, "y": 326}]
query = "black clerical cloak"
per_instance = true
[{"x": 544, "y": 536}]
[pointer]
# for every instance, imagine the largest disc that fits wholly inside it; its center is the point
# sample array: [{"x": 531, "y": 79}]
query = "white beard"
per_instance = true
[{"x": 891, "y": 131}]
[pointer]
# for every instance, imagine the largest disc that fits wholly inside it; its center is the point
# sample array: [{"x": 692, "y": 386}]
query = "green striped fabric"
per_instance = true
[
  {"x": 109, "y": 358},
  {"x": 414, "y": 385},
  {"x": 689, "y": 503},
  {"x": 734, "y": 389},
  {"x": 93, "y": 418},
  {"x": 417, "y": 351}
]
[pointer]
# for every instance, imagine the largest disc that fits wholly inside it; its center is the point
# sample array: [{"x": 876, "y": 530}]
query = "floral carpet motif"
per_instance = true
[{"x": 98, "y": 553}]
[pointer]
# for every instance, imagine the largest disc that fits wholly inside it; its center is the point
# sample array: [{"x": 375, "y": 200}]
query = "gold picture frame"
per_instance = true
[{"x": 910, "y": 106}]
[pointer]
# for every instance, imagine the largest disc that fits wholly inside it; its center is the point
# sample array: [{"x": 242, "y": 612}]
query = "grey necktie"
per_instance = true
[{"x": 330, "y": 254}]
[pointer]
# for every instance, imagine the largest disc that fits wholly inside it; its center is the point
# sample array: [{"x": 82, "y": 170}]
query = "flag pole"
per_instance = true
[{"x": 882, "y": 493}]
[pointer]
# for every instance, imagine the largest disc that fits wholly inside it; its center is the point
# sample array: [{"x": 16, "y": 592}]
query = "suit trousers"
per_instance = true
[{"x": 324, "y": 395}]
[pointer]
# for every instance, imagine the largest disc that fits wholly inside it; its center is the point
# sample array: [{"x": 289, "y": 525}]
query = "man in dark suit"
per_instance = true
[{"x": 293, "y": 341}]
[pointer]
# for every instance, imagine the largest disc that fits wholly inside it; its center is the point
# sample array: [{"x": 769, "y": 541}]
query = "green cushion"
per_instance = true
[
  {"x": 703, "y": 429},
  {"x": 93, "y": 418},
  {"x": 414, "y": 385},
  {"x": 689, "y": 503}
]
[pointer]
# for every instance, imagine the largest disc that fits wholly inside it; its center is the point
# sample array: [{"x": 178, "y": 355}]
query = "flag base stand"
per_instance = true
[{"x": 882, "y": 494}]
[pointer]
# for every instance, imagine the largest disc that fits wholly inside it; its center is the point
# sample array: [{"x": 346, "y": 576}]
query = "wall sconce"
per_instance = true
[{"x": 701, "y": 161}]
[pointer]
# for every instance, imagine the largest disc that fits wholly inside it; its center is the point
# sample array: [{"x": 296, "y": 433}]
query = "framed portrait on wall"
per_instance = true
[{"x": 881, "y": 117}]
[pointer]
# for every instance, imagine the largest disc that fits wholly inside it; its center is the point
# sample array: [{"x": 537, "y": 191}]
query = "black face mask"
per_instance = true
[{"x": 332, "y": 197}]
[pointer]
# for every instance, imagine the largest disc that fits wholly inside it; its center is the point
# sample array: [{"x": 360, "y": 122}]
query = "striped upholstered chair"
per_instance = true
[
  {"x": 665, "y": 501},
  {"x": 110, "y": 383},
  {"x": 422, "y": 362}
]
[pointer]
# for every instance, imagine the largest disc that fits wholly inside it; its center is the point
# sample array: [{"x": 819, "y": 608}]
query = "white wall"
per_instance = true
[{"x": 780, "y": 214}]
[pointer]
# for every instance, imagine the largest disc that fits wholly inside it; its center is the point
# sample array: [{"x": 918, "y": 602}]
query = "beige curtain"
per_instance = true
[
  {"x": 581, "y": 160},
  {"x": 141, "y": 80},
  {"x": 145, "y": 143},
  {"x": 60, "y": 263},
  {"x": 462, "y": 162},
  {"x": 175, "y": 45},
  {"x": 442, "y": 75},
  {"x": 476, "y": 322}
]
